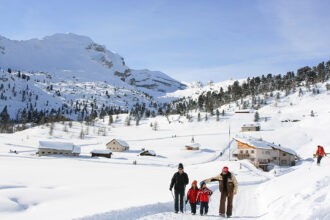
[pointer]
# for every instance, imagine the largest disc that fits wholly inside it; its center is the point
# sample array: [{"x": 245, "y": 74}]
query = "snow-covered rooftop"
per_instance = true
[
  {"x": 56, "y": 145},
  {"x": 98, "y": 151},
  {"x": 76, "y": 149},
  {"x": 150, "y": 152},
  {"x": 261, "y": 144},
  {"x": 251, "y": 125},
  {"x": 59, "y": 146},
  {"x": 194, "y": 145},
  {"x": 122, "y": 143}
]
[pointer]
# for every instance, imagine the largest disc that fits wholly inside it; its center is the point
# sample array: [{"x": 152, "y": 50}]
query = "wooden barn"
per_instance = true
[
  {"x": 251, "y": 127},
  {"x": 117, "y": 145},
  {"x": 193, "y": 146},
  {"x": 101, "y": 153},
  {"x": 57, "y": 148},
  {"x": 262, "y": 153}
]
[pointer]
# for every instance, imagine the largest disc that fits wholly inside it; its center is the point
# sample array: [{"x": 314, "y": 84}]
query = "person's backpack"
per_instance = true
[{"x": 320, "y": 151}]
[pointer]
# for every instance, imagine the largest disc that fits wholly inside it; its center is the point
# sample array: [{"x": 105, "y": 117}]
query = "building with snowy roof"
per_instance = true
[
  {"x": 251, "y": 127},
  {"x": 148, "y": 153},
  {"x": 262, "y": 153},
  {"x": 101, "y": 153},
  {"x": 117, "y": 145},
  {"x": 193, "y": 146},
  {"x": 57, "y": 148}
]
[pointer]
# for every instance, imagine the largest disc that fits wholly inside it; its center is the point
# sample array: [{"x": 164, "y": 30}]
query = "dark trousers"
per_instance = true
[
  {"x": 193, "y": 208},
  {"x": 176, "y": 203},
  {"x": 204, "y": 208},
  {"x": 319, "y": 158},
  {"x": 229, "y": 197}
]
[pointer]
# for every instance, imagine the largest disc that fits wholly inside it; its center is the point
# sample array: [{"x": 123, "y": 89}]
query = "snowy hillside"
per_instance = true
[
  {"x": 82, "y": 187},
  {"x": 39, "y": 91},
  {"x": 194, "y": 89}
]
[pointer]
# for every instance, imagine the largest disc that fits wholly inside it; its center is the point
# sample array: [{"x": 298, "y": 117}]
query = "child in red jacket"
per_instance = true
[
  {"x": 203, "y": 196},
  {"x": 192, "y": 196}
]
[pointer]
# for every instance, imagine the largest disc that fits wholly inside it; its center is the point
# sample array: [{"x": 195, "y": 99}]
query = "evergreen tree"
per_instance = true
[
  {"x": 128, "y": 121},
  {"x": 256, "y": 117},
  {"x": 110, "y": 120},
  {"x": 217, "y": 114},
  {"x": 155, "y": 126},
  {"x": 321, "y": 72},
  {"x": 51, "y": 128},
  {"x": 137, "y": 122},
  {"x": 199, "y": 116},
  {"x": 4, "y": 116},
  {"x": 82, "y": 135}
]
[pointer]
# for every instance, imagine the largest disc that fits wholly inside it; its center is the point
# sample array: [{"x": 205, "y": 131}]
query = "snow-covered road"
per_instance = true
[{"x": 247, "y": 202}]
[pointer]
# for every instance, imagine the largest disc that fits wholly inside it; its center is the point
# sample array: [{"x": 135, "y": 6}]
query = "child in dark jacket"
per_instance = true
[
  {"x": 203, "y": 196},
  {"x": 192, "y": 196}
]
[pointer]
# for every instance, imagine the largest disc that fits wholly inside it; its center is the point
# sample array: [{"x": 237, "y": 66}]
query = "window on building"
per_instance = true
[
  {"x": 242, "y": 152},
  {"x": 267, "y": 152},
  {"x": 274, "y": 158},
  {"x": 42, "y": 152},
  {"x": 49, "y": 152},
  {"x": 252, "y": 151},
  {"x": 246, "y": 151},
  {"x": 55, "y": 152},
  {"x": 284, "y": 154}
]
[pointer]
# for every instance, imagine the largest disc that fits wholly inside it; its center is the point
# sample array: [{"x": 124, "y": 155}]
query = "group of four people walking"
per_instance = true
[{"x": 228, "y": 187}]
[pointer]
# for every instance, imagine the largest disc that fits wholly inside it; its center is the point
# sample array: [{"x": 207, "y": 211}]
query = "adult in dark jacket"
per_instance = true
[{"x": 179, "y": 181}]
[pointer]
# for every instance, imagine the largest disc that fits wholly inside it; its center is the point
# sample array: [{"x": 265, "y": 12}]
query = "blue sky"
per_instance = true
[{"x": 188, "y": 39}]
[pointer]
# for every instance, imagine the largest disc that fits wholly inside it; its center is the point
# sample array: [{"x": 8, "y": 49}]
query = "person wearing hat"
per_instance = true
[
  {"x": 179, "y": 181},
  {"x": 228, "y": 187},
  {"x": 203, "y": 196},
  {"x": 192, "y": 197}
]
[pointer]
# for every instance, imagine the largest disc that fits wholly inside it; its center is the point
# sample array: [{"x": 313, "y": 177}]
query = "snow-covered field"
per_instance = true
[{"x": 56, "y": 187}]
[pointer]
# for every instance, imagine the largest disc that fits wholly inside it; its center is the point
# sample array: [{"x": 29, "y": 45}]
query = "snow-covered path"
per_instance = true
[
  {"x": 246, "y": 206},
  {"x": 246, "y": 203}
]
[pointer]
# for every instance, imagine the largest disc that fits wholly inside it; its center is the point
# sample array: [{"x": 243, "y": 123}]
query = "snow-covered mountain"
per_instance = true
[
  {"x": 67, "y": 71},
  {"x": 70, "y": 55}
]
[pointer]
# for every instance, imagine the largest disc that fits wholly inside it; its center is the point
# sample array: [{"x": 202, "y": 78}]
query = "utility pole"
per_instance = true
[{"x": 229, "y": 141}]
